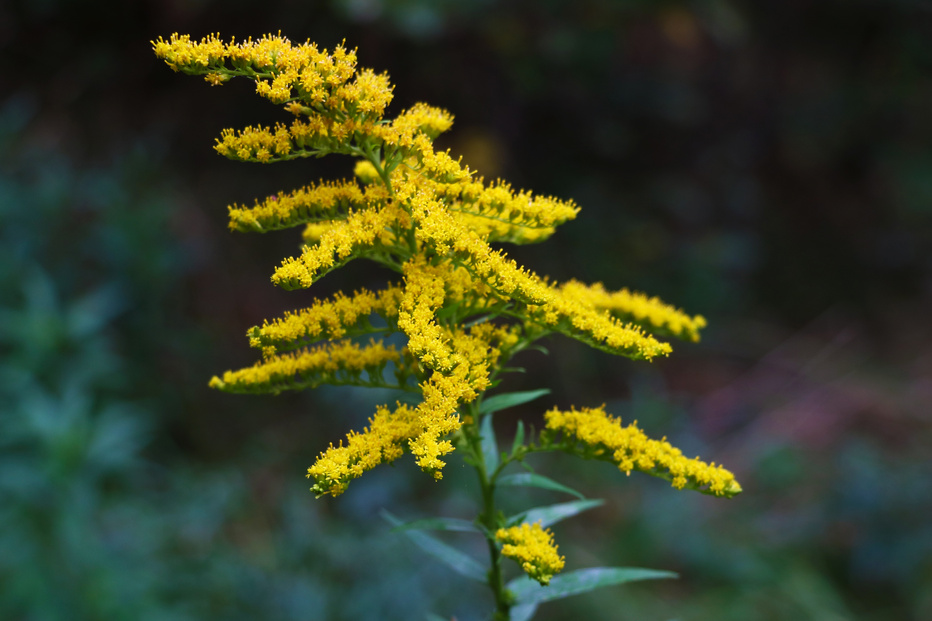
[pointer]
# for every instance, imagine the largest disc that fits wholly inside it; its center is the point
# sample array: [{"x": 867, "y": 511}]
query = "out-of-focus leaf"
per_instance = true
[
  {"x": 459, "y": 562},
  {"x": 451, "y": 524},
  {"x": 552, "y": 514},
  {"x": 489, "y": 445},
  {"x": 523, "y": 612},
  {"x": 529, "y": 479},
  {"x": 519, "y": 437},
  {"x": 510, "y": 399},
  {"x": 530, "y": 592}
]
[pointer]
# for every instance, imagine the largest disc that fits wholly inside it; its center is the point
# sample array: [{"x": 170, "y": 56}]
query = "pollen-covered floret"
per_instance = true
[
  {"x": 591, "y": 432},
  {"x": 533, "y": 549}
]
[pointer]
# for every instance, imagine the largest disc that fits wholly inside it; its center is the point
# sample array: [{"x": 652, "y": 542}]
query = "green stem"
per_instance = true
[{"x": 488, "y": 518}]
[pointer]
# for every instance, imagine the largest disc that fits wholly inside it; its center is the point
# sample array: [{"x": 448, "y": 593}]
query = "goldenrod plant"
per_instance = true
[{"x": 463, "y": 308}]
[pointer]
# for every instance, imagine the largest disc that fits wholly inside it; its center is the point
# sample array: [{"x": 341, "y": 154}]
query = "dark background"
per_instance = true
[{"x": 766, "y": 164}]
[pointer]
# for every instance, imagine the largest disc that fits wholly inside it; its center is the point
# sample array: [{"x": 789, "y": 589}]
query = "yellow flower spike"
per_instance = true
[
  {"x": 335, "y": 318},
  {"x": 381, "y": 442},
  {"x": 342, "y": 362},
  {"x": 592, "y": 432},
  {"x": 420, "y": 429},
  {"x": 546, "y": 304},
  {"x": 281, "y": 69},
  {"x": 423, "y": 294},
  {"x": 649, "y": 312},
  {"x": 316, "y": 203},
  {"x": 533, "y": 549},
  {"x": 340, "y": 243}
]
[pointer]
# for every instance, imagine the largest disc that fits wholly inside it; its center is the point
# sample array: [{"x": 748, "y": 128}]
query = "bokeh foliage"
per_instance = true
[{"x": 766, "y": 164}]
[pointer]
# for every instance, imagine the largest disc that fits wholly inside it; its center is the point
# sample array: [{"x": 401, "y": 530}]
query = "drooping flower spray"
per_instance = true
[{"x": 464, "y": 308}]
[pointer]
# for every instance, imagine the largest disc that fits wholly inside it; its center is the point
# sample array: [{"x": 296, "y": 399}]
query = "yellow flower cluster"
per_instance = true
[
  {"x": 381, "y": 442},
  {"x": 649, "y": 312},
  {"x": 336, "y": 246},
  {"x": 421, "y": 429},
  {"x": 283, "y": 71},
  {"x": 317, "y": 136},
  {"x": 423, "y": 295},
  {"x": 593, "y": 433},
  {"x": 533, "y": 549},
  {"x": 341, "y": 362},
  {"x": 472, "y": 354},
  {"x": 335, "y": 318},
  {"x": 545, "y": 303},
  {"x": 323, "y": 202},
  {"x": 419, "y": 212}
]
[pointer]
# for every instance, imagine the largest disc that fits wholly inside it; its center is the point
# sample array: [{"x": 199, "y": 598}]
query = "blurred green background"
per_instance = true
[{"x": 767, "y": 164}]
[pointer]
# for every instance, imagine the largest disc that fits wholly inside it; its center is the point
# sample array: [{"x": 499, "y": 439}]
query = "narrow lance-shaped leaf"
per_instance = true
[
  {"x": 554, "y": 513},
  {"x": 440, "y": 523},
  {"x": 530, "y": 479},
  {"x": 489, "y": 445},
  {"x": 519, "y": 438},
  {"x": 528, "y": 592},
  {"x": 459, "y": 562},
  {"x": 510, "y": 399}
]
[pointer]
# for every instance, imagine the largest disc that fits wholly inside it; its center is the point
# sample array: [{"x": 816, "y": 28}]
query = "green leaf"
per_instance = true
[
  {"x": 430, "y": 616},
  {"x": 449, "y": 524},
  {"x": 530, "y": 592},
  {"x": 489, "y": 445},
  {"x": 523, "y": 612},
  {"x": 459, "y": 562},
  {"x": 552, "y": 514},
  {"x": 510, "y": 399},
  {"x": 519, "y": 438},
  {"x": 529, "y": 479}
]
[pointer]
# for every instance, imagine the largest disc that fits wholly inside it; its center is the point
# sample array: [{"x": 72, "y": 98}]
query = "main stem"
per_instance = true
[{"x": 489, "y": 519}]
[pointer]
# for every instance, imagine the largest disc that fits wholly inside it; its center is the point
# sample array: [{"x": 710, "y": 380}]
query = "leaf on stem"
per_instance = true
[
  {"x": 440, "y": 523},
  {"x": 489, "y": 445},
  {"x": 528, "y": 592},
  {"x": 459, "y": 562},
  {"x": 510, "y": 399},
  {"x": 519, "y": 437},
  {"x": 529, "y": 479},
  {"x": 552, "y": 514}
]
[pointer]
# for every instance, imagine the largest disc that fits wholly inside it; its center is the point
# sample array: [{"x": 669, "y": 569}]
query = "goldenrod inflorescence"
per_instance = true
[
  {"x": 533, "y": 549},
  {"x": 461, "y": 308},
  {"x": 591, "y": 432}
]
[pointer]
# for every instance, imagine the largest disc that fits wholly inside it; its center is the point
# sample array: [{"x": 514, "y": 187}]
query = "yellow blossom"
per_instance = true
[
  {"x": 342, "y": 362},
  {"x": 421, "y": 212},
  {"x": 335, "y": 318},
  {"x": 437, "y": 227},
  {"x": 338, "y": 244},
  {"x": 323, "y": 202},
  {"x": 649, "y": 312},
  {"x": 533, "y": 549},
  {"x": 593, "y": 433},
  {"x": 381, "y": 442}
]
